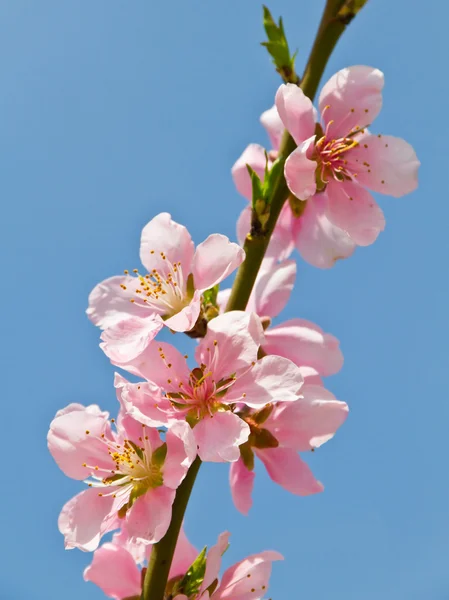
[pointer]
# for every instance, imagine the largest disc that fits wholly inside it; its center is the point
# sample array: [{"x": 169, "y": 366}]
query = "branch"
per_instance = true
[{"x": 331, "y": 27}]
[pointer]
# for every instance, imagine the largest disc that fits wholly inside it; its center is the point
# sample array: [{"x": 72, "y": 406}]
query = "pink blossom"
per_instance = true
[
  {"x": 133, "y": 308},
  {"x": 246, "y": 580},
  {"x": 115, "y": 565},
  {"x": 331, "y": 167},
  {"x": 228, "y": 374},
  {"x": 316, "y": 353},
  {"x": 132, "y": 474},
  {"x": 278, "y": 434}
]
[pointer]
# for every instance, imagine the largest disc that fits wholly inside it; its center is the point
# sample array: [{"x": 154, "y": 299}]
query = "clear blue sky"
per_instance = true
[{"x": 112, "y": 111}]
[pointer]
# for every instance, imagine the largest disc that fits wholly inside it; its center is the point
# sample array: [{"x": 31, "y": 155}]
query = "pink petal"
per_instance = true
[
  {"x": 86, "y": 518},
  {"x": 127, "y": 339},
  {"x": 309, "y": 422},
  {"x": 385, "y": 164},
  {"x": 272, "y": 379},
  {"x": 299, "y": 170},
  {"x": 273, "y": 287},
  {"x": 231, "y": 343},
  {"x": 186, "y": 318},
  {"x": 254, "y": 156},
  {"x": 109, "y": 303},
  {"x": 145, "y": 403},
  {"x": 153, "y": 365},
  {"x": 295, "y": 111},
  {"x": 214, "y": 260},
  {"x": 241, "y": 481},
  {"x": 310, "y": 375},
  {"x": 181, "y": 452},
  {"x": 272, "y": 122},
  {"x": 248, "y": 579},
  {"x": 218, "y": 437},
  {"x": 184, "y": 556},
  {"x": 351, "y": 98},
  {"x": 114, "y": 571},
  {"x": 354, "y": 210},
  {"x": 286, "y": 468},
  {"x": 163, "y": 235},
  {"x": 140, "y": 551},
  {"x": 222, "y": 298},
  {"x": 150, "y": 515},
  {"x": 319, "y": 241},
  {"x": 74, "y": 439},
  {"x": 213, "y": 561},
  {"x": 305, "y": 344}
]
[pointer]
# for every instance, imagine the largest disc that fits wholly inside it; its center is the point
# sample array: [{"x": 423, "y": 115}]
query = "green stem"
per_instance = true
[
  {"x": 329, "y": 30},
  {"x": 161, "y": 557},
  {"x": 327, "y": 36}
]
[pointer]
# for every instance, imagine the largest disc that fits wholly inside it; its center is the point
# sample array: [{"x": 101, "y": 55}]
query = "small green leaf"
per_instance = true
[
  {"x": 158, "y": 456},
  {"x": 247, "y": 456},
  {"x": 136, "y": 449},
  {"x": 210, "y": 295},
  {"x": 213, "y": 586},
  {"x": 262, "y": 415},
  {"x": 277, "y": 47},
  {"x": 190, "y": 584},
  {"x": 262, "y": 438}
]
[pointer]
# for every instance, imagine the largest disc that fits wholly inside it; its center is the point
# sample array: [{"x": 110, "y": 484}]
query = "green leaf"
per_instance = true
[
  {"x": 158, "y": 456},
  {"x": 279, "y": 52},
  {"x": 262, "y": 438},
  {"x": 273, "y": 31},
  {"x": 257, "y": 184},
  {"x": 210, "y": 295},
  {"x": 213, "y": 586},
  {"x": 262, "y": 415},
  {"x": 136, "y": 449},
  {"x": 191, "y": 582},
  {"x": 277, "y": 47},
  {"x": 247, "y": 456}
]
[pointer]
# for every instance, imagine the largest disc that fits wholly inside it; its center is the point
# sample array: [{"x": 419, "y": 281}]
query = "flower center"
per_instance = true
[
  {"x": 137, "y": 468},
  {"x": 331, "y": 159},
  {"x": 200, "y": 394},
  {"x": 162, "y": 290}
]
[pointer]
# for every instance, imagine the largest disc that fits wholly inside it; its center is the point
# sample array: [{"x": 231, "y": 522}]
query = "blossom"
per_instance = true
[
  {"x": 278, "y": 433},
  {"x": 132, "y": 474},
  {"x": 334, "y": 163},
  {"x": 115, "y": 565},
  {"x": 133, "y": 308},
  {"x": 315, "y": 352},
  {"x": 247, "y": 579},
  {"x": 228, "y": 373}
]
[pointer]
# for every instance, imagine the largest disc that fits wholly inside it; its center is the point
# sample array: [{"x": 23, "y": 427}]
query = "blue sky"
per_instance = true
[{"x": 113, "y": 111}]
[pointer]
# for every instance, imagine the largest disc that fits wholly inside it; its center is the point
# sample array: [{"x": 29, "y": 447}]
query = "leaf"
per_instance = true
[
  {"x": 262, "y": 415},
  {"x": 247, "y": 456},
  {"x": 210, "y": 295},
  {"x": 277, "y": 47},
  {"x": 136, "y": 448},
  {"x": 158, "y": 456},
  {"x": 191, "y": 582},
  {"x": 262, "y": 438}
]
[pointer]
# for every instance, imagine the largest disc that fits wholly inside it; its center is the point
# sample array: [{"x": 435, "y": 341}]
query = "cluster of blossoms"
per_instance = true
[
  {"x": 330, "y": 211},
  {"x": 252, "y": 389}
]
